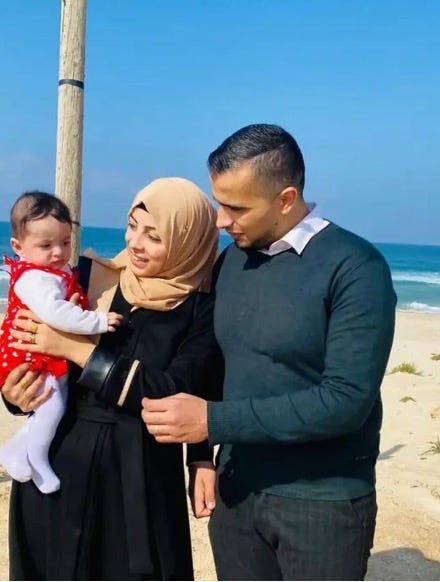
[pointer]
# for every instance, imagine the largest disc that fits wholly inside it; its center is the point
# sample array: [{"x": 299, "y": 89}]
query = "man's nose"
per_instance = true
[{"x": 223, "y": 219}]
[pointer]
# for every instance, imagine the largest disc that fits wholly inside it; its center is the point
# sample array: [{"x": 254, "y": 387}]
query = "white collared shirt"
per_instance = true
[{"x": 300, "y": 235}]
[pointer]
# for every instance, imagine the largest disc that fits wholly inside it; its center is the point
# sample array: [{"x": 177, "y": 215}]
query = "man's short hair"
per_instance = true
[
  {"x": 34, "y": 206},
  {"x": 272, "y": 152}
]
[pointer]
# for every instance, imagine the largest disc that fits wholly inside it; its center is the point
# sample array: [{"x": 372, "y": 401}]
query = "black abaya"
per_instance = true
[{"x": 121, "y": 512}]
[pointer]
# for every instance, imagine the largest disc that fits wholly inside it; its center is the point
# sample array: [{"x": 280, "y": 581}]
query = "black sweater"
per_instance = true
[{"x": 306, "y": 339}]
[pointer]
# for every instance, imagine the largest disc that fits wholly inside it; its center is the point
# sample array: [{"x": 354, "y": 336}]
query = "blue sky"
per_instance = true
[{"x": 356, "y": 82}]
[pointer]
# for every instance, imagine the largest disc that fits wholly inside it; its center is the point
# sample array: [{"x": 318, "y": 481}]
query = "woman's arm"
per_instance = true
[
  {"x": 74, "y": 347},
  {"x": 21, "y": 389},
  {"x": 197, "y": 368},
  {"x": 201, "y": 489}
]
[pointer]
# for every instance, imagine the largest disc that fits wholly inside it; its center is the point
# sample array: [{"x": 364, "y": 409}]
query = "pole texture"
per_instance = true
[{"x": 68, "y": 175}]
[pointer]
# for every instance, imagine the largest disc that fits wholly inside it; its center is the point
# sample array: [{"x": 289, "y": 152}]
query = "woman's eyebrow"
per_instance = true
[
  {"x": 147, "y": 227},
  {"x": 144, "y": 227}
]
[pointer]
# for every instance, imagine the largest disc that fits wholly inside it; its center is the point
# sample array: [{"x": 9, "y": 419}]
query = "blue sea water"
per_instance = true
[{"x": 415, "y": 268}]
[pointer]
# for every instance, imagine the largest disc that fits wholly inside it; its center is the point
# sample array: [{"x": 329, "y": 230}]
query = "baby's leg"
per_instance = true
[
  {"x": 41, "y": 432},
  {"x": 13, "y": 454}
]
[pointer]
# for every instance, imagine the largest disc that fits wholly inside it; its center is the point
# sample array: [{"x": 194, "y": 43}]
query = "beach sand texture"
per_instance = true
[{"x": 407, "y": 542}]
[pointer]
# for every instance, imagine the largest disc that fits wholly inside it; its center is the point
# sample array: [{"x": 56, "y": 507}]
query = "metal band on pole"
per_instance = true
[{"x": 74, "y": 82}]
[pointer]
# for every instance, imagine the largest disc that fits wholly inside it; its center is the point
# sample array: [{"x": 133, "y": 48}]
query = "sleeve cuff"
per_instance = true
[
  {"x": 111, "y": 377},
  {"x": 233, "y": 422},
  {"x": 103, "y": 323},
  {"x": 199, "y": 452},
  {"x": 220, "y": 422},
  {"x": 12, "y": 408},
  {"x": 97, "y": 369}
]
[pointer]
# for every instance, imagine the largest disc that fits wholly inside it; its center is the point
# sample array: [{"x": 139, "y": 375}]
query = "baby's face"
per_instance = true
[{"x": 46, "y": 242}]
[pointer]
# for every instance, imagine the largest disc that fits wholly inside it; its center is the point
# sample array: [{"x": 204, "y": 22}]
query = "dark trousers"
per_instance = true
[{"x": 267, "y": 537}]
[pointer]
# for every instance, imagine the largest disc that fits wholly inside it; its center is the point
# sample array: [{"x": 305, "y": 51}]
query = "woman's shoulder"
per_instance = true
[
  {"x": 196, "y": 304},
  {"x": 199, "y": 304},
  {"x": 202, "y": 299}
]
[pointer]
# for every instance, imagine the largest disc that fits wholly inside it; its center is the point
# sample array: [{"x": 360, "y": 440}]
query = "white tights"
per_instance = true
[{"x": 25, "y": 456}]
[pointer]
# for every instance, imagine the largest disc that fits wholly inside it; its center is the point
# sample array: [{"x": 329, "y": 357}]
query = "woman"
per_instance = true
[{"x": 121, "y": 511}]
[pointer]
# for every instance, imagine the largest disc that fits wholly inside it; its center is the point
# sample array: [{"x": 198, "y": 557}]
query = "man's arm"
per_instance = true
[{"x": 359, "y": 339}]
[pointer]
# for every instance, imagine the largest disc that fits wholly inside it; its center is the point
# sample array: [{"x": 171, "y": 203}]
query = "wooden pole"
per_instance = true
[{"x": 68, "y": 176}]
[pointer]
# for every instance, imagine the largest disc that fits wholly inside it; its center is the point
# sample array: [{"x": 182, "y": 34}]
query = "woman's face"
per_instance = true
[{"x": 146, "y": 252}]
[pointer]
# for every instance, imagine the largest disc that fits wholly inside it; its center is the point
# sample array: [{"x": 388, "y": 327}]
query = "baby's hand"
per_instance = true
[{"x": 113, "y": 320}]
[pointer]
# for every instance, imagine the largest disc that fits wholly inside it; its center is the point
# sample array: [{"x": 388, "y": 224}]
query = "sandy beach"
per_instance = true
[{"x": 407, "y": 542}]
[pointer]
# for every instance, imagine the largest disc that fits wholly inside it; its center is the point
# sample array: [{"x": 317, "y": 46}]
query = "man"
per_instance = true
[{"x": 305, "y": 318}]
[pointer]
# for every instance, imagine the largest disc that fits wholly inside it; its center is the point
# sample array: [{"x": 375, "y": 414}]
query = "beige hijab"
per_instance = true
[{"x": 185, "y": 221}]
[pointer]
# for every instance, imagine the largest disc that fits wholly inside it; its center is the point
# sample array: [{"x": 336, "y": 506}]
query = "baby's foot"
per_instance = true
[
  {"x": 13, "y": 457},
  {"x": 45, "y": 479}
]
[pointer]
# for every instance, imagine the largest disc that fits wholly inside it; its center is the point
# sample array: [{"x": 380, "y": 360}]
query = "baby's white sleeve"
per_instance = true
[{"x": 43, "y": 293}]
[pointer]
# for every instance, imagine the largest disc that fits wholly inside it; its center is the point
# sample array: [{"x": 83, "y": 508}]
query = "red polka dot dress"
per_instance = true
[{"x": 11, "y": 358}]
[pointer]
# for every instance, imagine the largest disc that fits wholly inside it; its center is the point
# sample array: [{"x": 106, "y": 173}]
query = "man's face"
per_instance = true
[{"x": 247, "y": 211}]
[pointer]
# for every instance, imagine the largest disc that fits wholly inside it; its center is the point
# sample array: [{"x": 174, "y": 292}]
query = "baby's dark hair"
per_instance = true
[{"x": 34, "y": 206}]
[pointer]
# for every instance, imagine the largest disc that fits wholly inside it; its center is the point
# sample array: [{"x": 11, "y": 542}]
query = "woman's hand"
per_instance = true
[
  {"x": 202, "y": 482},
  {"x": 38, "y": 337},
  {"x": 22, "y": 388}
]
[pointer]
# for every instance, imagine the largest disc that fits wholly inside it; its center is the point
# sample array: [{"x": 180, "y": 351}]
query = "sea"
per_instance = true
[{"x": 415, "y": 268}]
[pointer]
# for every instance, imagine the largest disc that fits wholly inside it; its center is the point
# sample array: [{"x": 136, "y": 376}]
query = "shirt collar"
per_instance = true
[{"x": 300, "y": 235}]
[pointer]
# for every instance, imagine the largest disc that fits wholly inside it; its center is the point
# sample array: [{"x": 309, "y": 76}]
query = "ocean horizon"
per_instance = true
[{"x": 415, "y": 269}]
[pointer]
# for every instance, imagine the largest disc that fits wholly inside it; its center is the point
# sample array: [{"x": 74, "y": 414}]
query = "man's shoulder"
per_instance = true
[{"x": 336, "y": 239}]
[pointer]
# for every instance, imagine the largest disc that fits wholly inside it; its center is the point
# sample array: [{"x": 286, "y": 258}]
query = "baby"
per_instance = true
[{"x": 42, "y": 281}]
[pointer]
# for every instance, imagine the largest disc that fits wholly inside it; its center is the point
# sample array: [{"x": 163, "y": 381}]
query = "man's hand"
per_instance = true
[
  {"x": 176, "y": 419},
  {"x": 22, "y": 388},
  {"x": 202, "y": 481}
]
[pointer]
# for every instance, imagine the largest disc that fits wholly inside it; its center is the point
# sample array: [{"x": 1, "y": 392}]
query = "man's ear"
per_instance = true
[
  {"x": 288, "y": 197},
  {"x": 16, "y": 246}
]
